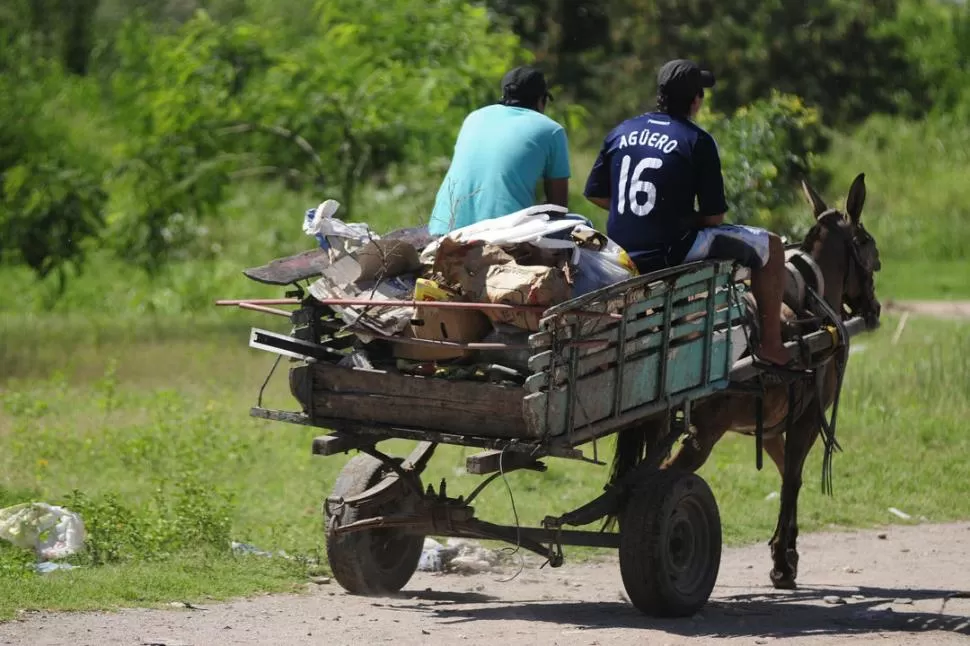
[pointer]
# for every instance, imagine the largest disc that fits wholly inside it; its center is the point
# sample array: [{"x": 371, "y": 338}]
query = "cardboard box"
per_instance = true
[{"x": 441, "y": 324}]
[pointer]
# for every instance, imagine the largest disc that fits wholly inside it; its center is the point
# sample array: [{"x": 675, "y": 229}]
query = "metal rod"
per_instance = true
[
  {"x": 263, "y": 308},
  {"x": 744, "y": 369},
  {"x": 473, "y": 346},
  {"x": 368, "y": 302},
  {"x": 259, "y": 301}
]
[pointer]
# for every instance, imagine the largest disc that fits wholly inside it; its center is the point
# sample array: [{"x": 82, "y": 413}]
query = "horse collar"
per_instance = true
[{"x": 805, "y": 274}]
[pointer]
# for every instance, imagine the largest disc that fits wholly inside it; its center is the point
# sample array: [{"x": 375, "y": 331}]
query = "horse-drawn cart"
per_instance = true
[{"x": 638, "y": 352}]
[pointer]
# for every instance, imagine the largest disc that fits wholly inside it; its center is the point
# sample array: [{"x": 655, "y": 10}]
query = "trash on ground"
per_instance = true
[
  {"x": 52, "y": 532},
  {"x": 48, "y": 566},
  {"x": 460, "y": 556},
  {"x": 900, "y": 514},
  {"x": 252, "y": 550}
]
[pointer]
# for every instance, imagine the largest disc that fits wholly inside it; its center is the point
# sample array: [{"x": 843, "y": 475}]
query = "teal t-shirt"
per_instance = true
[{"x": 501, "y": 154}]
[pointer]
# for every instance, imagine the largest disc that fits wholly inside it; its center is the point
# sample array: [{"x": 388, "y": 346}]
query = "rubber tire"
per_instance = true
[
  {"x": 652, "y": 538},
  {"x": 370, "y": 562}
]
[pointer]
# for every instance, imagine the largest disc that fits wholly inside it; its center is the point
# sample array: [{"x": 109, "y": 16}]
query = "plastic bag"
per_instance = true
[
  {"x": 534, "y": 224},
  {"x": 321, "y": 224},
  {"x": 52, "y": 532},
  {"x": 596, "y": 269}
]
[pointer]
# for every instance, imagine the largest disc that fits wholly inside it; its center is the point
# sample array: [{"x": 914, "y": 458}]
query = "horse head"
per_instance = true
[{"x": 846, "y": 253}]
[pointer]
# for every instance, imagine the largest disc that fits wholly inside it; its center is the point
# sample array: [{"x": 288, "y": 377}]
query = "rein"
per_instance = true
[{"x": 814, "y": 299}]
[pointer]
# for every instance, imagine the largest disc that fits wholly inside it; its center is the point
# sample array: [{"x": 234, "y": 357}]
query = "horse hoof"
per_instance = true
[{"x": 782, "y": 581}]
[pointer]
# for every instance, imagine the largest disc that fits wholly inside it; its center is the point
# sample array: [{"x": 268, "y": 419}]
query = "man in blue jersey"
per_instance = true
[
  {"x": 659, "y": 175},
  {"x": 502, "y": 152}
]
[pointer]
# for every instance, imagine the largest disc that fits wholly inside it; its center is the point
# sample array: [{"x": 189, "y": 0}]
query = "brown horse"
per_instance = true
[{"x": 847, "y": 257}]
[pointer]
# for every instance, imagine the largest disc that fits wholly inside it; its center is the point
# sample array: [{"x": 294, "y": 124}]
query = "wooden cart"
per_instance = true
[{"x": 636, "y": 352}]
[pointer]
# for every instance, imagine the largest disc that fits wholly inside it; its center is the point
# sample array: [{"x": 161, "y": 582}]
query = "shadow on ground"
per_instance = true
[{"x": 809, "y": 610}]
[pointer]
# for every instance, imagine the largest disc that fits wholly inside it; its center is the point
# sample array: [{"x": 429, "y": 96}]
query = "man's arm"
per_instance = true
[
  {"x": 598, "y": 184},
  {"x": 557, "y": 191},
  {"x": 556, "y": 172},
  {"x": 711, "y": 201}
]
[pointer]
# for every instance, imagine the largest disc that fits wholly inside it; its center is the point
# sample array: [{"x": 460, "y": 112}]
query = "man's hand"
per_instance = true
[
  {"x": 602, "y": 202},
  {"x": 557, "y": 191}
]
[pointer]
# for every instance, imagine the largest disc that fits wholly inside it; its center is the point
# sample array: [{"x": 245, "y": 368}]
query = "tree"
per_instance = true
[
  {"x": 377, "y": 83},
  {"x": 51, "y": 194},
  {"x": 833, "y": 53}
]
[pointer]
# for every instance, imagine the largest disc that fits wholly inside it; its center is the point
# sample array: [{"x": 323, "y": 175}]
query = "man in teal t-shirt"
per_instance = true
[{"x": 502, "y": 152}]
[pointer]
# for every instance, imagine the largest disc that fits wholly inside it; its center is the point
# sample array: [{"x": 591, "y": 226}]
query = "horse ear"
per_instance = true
[
  {"x": 814, "y": 200},
  {"x": 856, "y": 199}
]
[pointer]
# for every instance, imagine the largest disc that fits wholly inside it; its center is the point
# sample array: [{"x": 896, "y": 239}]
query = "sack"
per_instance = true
[{"x": 514, "y": 284}]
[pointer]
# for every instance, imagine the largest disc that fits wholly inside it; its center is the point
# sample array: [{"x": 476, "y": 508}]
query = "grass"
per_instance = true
[{"x": 151, "y": 424}]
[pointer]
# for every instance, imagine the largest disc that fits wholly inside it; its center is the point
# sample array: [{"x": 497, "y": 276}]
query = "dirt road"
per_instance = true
[
  {"x": 868, "y": 587},
  {"x": 936, "y": 309}
]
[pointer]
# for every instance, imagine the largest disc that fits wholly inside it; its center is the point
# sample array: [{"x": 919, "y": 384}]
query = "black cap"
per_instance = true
[
  {"x": 524, "y": 86},
  {"x": 683, "y": 78}
]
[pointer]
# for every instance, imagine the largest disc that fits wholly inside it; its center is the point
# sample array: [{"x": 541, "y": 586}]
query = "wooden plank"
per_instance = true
[
  {"x": 680, "y": 299},
  {"x": 640, "y": 387},
  {"x": 630, "y": 418},
  {"x": 634, "y": 329},
  {"x": 382, "y": 432},
  {"x": 495, "y": 461},
  {"x": 373, "y": 396},
  {"x": 339, "y": 443},
  {"x": 597, "y": 360}
]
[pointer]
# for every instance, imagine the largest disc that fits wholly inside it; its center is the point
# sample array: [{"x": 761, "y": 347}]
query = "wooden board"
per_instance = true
[
  {"x": 463, "y": 407},
  {"x": 592, "y": 396}
]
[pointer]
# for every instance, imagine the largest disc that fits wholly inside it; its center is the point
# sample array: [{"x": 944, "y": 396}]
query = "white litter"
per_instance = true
[
  {"x": 901, "y": 514},
  {"x": 51, "y": 531}
]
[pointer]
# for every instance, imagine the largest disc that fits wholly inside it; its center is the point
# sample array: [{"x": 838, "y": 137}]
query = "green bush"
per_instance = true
[
  {"x": 51, "y": 193},
  {"x": 766, "y": 149},
  {"x": 376, "y": 84}
]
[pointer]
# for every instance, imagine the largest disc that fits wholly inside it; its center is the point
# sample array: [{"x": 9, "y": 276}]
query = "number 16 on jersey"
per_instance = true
[{"x": 637, "y": 187}]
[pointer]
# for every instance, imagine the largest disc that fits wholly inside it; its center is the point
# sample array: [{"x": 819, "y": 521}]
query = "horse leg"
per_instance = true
[
  {"x": 775, "y": 448},
  {"x": 695, "y": 450},
  {"x": 784, "y": 554}
]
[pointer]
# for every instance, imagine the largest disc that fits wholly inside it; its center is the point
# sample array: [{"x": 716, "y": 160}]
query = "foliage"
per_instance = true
[
  {"x": 766, "y": 149},
  {"x": 378, "y": 84},
  {"x": 919, "y": 198},
  {"x": 607, "y": 53},
  {"x": 51, "y": 193},
  {"x": 937, "y": 37},
  {"x": 193, "y": 518}
]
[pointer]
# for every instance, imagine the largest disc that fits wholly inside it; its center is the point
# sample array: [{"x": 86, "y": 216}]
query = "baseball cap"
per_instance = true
[
  {"x": 524, "y": 85},
  {"x": 683, "y": 78}
]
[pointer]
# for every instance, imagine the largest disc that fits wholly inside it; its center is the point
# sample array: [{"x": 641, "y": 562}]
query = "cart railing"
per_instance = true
[{"x": 672, "y": 338}]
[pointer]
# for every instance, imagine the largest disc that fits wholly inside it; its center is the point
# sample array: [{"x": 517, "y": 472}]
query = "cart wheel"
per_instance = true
[
  {"x": 374, "y": 561},
  {"x": 670, "y": 544}
]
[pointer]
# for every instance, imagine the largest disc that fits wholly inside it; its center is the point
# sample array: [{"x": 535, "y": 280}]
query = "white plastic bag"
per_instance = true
[
  {"x": 52, "y": 532},
  {"x": 321, "y": 224},
  {"x": 596, "y": 269}
]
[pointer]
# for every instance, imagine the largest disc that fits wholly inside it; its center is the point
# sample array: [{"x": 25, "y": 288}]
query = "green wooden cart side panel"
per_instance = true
[
  {"x": 593, "y": 359},
  {"x": 640, "y": 385},
  {"x": 610, "y": 331}
]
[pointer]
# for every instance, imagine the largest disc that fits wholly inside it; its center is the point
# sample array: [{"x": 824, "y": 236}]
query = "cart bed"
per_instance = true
[{"x": 661, "y": 336}]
